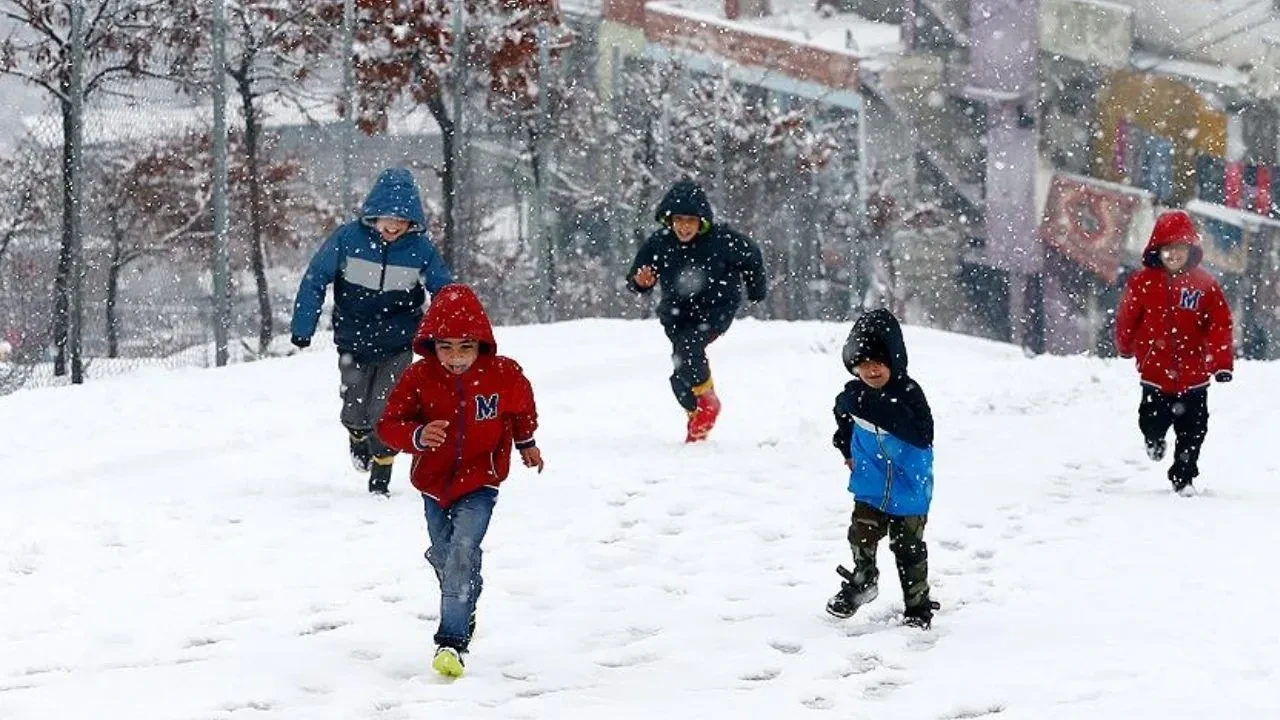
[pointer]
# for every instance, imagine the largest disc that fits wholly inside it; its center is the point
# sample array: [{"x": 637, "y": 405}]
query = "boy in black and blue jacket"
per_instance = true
[
  {"x": 884, "y": 431},
  {"x": 381, "y": 266}
]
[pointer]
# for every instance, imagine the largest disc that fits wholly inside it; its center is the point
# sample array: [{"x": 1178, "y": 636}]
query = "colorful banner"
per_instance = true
[{"x": 1089, "y": 222}]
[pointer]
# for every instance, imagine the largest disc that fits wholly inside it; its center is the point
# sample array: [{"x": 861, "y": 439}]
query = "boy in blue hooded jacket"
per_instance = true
[
  {"x": 884, "y": 431},
  {"x": 381, "y": 266}
]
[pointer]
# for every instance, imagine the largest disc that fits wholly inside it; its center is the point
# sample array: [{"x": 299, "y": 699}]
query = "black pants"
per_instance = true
[
  {"x": 690, "y": 335},
  {"x": 1188, "y": 413}
]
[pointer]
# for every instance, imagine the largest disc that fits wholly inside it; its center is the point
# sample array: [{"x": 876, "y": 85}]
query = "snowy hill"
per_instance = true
[{"x": 193, "y": 544}]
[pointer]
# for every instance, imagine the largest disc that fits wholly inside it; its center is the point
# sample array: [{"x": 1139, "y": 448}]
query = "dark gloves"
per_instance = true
[
  {"x": 1222, "y": 376},
  {"x": 301, "y": 343}
]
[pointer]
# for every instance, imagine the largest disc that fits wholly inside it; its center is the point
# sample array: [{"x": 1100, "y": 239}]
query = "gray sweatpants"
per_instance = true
[{"x": 365, "y": 387}]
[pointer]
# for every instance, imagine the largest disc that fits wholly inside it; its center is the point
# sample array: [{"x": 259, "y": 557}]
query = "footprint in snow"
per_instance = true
[
  {"x": 973, "y": 713},
  {"x": 884, "y": 687},
  {"x": 323, "y": 626},
  {"x": 817, "y": 702},
  {"x": 761, "y": 676},
  {"x": 786, "y": 648}
]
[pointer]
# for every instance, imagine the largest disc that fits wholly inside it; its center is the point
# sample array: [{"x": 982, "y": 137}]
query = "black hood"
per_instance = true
[
  {"x": 685, "y": 197},
  {"x": 877, "y": 336}
]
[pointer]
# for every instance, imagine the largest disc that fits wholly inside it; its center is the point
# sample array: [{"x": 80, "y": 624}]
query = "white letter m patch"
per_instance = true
[{"x": 486, "y": 407}]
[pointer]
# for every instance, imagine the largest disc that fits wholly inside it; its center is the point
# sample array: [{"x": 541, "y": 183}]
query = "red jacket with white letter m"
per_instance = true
[
  {"x": 1177, "y": 325},
  {"x": 489, "y": 407}
]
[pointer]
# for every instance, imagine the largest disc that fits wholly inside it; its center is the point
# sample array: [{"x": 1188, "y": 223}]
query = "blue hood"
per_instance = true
[{"x": 395, "y": 194}]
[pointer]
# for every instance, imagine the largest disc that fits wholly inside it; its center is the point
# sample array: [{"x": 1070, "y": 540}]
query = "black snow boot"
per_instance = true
[
  {"x": 921, "y": 616},
  {"x": 852, "y": 594},
  {"x": 1156, "y": 448},
  {"x": 359, "y": 449},
  {"x": 380, "y": 477}
]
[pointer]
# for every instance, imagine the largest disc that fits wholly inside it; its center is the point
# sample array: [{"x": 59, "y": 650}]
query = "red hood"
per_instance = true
[
  {"x": 1172, "y": 227},
  {"x": 455, "y": 312}
]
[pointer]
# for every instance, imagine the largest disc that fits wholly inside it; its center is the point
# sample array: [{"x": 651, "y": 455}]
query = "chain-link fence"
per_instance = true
[{"x": 540, "y": 184}]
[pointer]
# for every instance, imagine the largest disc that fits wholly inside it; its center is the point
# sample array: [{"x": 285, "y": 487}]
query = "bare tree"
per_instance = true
[
  {"x": 122, "y": 40},
  {"x": 274, "y": 48},
  {"x": 407, "y": 52}
]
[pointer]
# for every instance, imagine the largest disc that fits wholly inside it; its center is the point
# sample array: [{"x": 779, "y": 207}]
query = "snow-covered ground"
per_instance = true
[{"x": 193, "y": 544}]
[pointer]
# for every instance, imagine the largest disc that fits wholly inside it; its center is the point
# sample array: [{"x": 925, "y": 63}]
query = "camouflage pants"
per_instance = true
[{"x": 906, "y": 540}]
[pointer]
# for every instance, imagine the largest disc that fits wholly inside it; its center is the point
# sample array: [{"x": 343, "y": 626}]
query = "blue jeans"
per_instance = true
[{"x": 456, "y": 533}]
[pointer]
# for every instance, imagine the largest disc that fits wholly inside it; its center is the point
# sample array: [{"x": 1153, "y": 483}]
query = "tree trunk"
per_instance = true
[
  {"x": 448, "y": 180},
  {"x": 61, "y": 304},
  {"x": 257, "y": 256},
  {"x": 113, "y": 292}
]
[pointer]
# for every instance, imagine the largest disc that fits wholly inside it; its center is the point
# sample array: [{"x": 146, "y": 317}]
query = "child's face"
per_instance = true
[
  {"x": 1175, "y": 256},
  {"x": 874, "y": 373},
  {"x": 456, "y": 354},
  {"x": 685, "y": 227},
  {"x": 391, "y": 228}
]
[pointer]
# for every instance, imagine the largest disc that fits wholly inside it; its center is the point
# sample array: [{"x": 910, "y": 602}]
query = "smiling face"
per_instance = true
[
  {"x": 685, "y": 227},
  {"x": 457, "y": 355},
  {"x": 1175, "y": 256},
  {"x": 391, "y": 228},
  {"x": 874, "y": 373}
]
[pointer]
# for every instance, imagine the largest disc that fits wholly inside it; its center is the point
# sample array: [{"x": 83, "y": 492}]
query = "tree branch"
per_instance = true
[{"x": 61, "y": 96}]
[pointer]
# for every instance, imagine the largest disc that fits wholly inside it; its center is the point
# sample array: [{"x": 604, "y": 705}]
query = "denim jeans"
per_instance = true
[{"x": 456, "y": 533}]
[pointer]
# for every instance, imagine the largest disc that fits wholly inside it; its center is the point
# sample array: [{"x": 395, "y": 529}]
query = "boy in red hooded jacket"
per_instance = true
[
  {"x": 1175, "y": 320},
  {"x": 459, "y": 410}
]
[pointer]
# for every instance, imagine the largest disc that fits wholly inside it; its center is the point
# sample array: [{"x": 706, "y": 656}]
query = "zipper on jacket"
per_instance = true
[
  {"x": 462, "y": 435},
  {"x": 888, "y": 476},
  {"x": 1171, "y": 335},
  {"x": 382, "y": 279}
]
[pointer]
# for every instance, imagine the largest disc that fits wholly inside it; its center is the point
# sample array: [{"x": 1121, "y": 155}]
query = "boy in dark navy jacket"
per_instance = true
[
  {"x": 702, "y": 266},
  {"x": 381, "y": 266},
  {"x": 884, "y": 431}
]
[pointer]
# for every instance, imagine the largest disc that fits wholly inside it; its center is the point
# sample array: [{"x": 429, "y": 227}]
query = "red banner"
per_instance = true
[{"x": 1088, "y": 222}]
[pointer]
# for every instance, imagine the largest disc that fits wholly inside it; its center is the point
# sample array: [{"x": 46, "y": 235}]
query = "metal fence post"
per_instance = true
[
  {"x": 75, "y": 182},
  {"x": 349, "y": 100},
  {"x": 221, "y": 265}
]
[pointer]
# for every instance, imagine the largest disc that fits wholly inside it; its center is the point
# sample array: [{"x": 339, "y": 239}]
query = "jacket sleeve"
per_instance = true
[
  {"x": 319, "y": 275},
  {"x": 1128, "y": 317},
  {"x": 843, "y": 412},
  {"x": 1219, "y": 338},
  {"x": 401, "y": 423},
  {"x": 648, "y": 255},
  {"x": 751, "y": 263},
  {"x": 524, "y": 413},
  {"x": 918, "y": 417},
  {"x": 435, "y": 274}
]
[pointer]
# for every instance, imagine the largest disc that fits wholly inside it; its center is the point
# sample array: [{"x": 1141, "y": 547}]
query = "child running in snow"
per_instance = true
[
  {"x": 884, "y": 431},
  {"x": 459, "y": 410},
  {"x": 381, "y": 266},
  {"x": 702, "y": 266},
  {"x": 1175, "y": 320}
]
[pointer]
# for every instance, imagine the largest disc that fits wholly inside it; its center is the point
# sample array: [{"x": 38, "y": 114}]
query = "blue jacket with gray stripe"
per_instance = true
[
  {"x": 379, "y": 288},
  {"x": 886, "y": 433}
]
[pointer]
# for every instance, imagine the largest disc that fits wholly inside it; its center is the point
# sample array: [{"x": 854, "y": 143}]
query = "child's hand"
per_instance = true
[
  {"x": 848, "y": 462},
  {"x": 532, "y": 457},
  {"x": 433, "y": 433},
  {"x": 645, "y": 277}
]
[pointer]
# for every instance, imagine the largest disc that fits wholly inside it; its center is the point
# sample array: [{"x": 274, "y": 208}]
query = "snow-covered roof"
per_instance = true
[
  {"x": 1231, "y": 216},
  {"x": 1221, "y": 75},
  {"x": 796, "y": 21},
  {"x": 150, "y": 118}
]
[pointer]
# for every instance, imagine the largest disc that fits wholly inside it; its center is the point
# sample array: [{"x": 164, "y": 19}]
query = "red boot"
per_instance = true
[{"x": 704, "y": 417}]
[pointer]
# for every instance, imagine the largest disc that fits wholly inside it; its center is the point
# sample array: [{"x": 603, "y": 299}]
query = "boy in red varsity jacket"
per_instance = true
[
  {"x": 458, "y": 410},
  {"x": 1175, "y": 320}
]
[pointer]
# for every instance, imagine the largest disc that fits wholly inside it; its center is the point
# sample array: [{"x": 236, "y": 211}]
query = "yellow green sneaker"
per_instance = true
[{"x": 448, "y": 662}]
